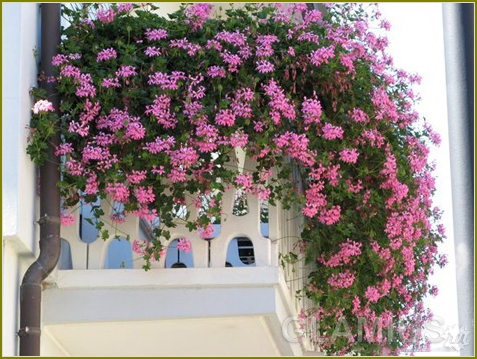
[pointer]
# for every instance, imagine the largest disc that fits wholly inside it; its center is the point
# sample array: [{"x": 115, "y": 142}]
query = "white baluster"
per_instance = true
[{"x": 77, "y": 246}]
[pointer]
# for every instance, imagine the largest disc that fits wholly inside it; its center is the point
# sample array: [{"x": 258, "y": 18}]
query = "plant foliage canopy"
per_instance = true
[{"x": 153, "y": 108}]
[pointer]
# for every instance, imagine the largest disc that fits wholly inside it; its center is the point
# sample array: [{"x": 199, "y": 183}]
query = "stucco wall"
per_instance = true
[{"x": 20, "y": 23}]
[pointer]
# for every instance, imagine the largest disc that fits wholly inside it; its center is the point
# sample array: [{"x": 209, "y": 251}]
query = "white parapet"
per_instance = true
[{"x": 239, "y": 301}]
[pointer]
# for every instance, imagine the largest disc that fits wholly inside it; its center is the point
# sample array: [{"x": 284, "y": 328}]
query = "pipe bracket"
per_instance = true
[
  {"x": 49, "y": 219},
  {"x": 28, "y": 331}
]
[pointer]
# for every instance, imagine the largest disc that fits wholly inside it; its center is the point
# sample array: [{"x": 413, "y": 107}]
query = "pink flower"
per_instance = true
[
  {"x": 347, "y": 61},
  {"x": 70, "y": 71},
  {"x": 374, "y": 137},
  {"x": 239, "y": 139},
  {"x": 86, "y": 21},
  {"x": 385, "y": 108},
  {"x": 67, "y": 219},
  {"x": 145, "y": 213},
  {"x": 265, "y": 66},
  {"x": 235, "y": 38},
  {"x": 106, "y": 15},
  {"x": 184, "y": 245},
  {"x": 309, "y": 37},
  {"x": 197, "y": 14},
  {"x": 342, "y": 280},
  {"x": 118, "y": 192},
  {"x": 42, "y": 106},
  {"x": 409, "y": 260},
  {"x": 160, "y": 145},
  {"x": 64, "y": 149},
  {"x": 161, "y": 110},
  {"x": 442, "y": 260},
  {"x": 225, "y": 118},
  {"x": 267, "y": 40},
  {"x": 214, "y": 71},
  {"x": 177, "y": 175},
  {"x": 245, "y": 52},
  {"x": 59, "y": 59},
  {"x": 348, "y": 250},
  {"x": 312, "y": 110},
  {"x": 385, "y": 25},
  {"x": 312, "y": 16},
  {"x": 152, "y": 51},
  {"x": 135, "y": 131},
  {"x": 156, "y": 34},
  {"x": 331, "y": 132},
  {"x": 106, "y": 54},
  {"x": 279, "y": 103},
  {"x": 349, "y": 155},
  {"x": 207, "y": 232},
  {"x": 231, "y": 59},
  {"x": 433, "y": 136},
  {"x": 125, "y": 7},
  {"x": 372, "y": 294},
  {"x": 157, "y": 171},
  {"x": 74, "y": 167},
  {"x": 358, "y": 115},
  {"x": 110, "y": 82},
  {"x": 136, "y": 246},
  {"x": 86, "y": 87},
  {"x": 144, "y": 194},
  {"x": 322, "y": 55},
  {"x": 91, "y": 184},
  {"x": 126, "y": 71},
  {"x": 167, "y": 82},
  {"x": 136, "y": 177},
  {"x": 330, "y": 216},
  {"x": 244, "y": 181},
  {"x": 354, "y": 188}
]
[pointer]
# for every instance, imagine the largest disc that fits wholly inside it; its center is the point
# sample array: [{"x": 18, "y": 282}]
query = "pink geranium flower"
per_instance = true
[
  {"x": 184, "y": 244},
  {"x": 42, "y": 106},
  {"x": 349, "y": 155}
]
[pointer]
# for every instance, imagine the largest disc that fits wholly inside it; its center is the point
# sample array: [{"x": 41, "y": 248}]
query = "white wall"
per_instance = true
[
  {"x": 20, "y": 34},
  {"x": 20, "y": 23}
]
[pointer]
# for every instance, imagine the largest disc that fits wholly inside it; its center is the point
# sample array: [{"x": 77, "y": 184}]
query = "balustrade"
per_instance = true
[{"x": 89, "y": 252}]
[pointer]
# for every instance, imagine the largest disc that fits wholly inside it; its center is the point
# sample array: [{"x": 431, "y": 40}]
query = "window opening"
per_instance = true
[
  {"x": 178, "y": 258},
  {"x": 65, "y": 261},
  {"x": 119, "y": 254},
  {"x": 240, "y": 253},
  {"x": 240, "y": 207}
]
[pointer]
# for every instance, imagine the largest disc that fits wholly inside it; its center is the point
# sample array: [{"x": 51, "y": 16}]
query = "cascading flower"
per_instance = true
[{"x": 158, "y": 110}]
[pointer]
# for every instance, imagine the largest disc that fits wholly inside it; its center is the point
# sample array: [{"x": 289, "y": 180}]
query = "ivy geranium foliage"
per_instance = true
[{"x": 152, "y": 109}]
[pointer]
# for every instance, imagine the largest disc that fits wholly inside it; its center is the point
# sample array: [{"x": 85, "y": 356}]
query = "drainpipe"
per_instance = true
[
  {"x": 458, "y": 21},
  {"x": 49, "y": 222}
]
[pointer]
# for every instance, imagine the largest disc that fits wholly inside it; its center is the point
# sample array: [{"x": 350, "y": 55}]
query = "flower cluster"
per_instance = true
[
  {"x": 152, "y": 110},
  {"x": 42, "y": 106}
]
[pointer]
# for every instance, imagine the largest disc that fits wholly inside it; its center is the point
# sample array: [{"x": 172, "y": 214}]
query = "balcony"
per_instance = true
[{"x": 229, "y": 296}]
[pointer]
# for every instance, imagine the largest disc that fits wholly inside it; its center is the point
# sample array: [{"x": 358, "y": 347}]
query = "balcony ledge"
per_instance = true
[
  {"x": 97, "y": 301},
  {"x": 168, "y": 278}
]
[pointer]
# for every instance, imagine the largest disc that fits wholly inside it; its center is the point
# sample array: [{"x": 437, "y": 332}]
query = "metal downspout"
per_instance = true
[
  {"x": 30, "y": 290},
  {"x": 458, "y": 20}
]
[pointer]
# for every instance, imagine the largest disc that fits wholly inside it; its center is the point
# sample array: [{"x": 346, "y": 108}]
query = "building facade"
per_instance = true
[{"x": 232, "y": 299}]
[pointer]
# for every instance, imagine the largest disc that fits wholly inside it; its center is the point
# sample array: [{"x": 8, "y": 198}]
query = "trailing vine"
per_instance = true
[{"x": 153, "y": 108}]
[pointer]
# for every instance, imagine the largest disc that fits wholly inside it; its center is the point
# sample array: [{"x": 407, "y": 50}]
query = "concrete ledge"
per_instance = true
[
  {"x": 169, "y": 278},
  {"x": 169, "y": 300}
]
